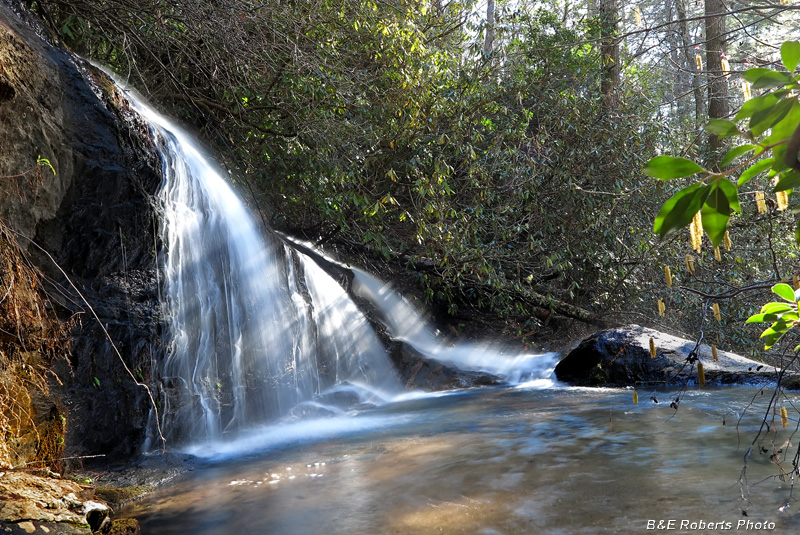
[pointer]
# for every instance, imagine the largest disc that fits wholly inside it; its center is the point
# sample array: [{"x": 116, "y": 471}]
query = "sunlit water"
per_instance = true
[{"x": 514, "y": 460}]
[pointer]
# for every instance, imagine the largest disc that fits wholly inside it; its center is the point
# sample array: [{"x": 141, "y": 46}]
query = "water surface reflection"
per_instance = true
[{"x": 491, "y": 461}]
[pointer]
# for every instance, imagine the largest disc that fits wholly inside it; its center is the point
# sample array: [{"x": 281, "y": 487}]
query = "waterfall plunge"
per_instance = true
[{"x": 256, "y": 327}]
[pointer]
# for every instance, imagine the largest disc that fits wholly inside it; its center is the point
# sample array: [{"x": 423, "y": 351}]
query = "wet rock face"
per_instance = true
[
  {"x": 621, "y": 357},
  {"x": 92, "y": 220},
  {"x": 418, "y": 371}
]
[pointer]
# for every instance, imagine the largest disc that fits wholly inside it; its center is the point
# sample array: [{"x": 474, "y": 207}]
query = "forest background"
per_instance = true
[{"x": 488, "y": 153}]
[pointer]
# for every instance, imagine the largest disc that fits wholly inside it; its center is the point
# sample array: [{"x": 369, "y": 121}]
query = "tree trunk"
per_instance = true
[
  {"x": 488, "y": 42},
  {"x": 609, "y": 52},
  {"x": 718, "y": 107},
  {"x": 689, "y": 55}
]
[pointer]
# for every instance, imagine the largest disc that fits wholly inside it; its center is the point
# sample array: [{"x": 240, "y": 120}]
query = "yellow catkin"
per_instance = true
[
  {"x": 796, "y": 282},
  {"x": 701, "y": 374},
  {"x": 784, "y": 417},
  {"x": 696, "y": 232},
  {"x": 782, "y": 199},
  {"x": 662, "y": 308},
  {"x": 726, "y": 241},
  {"x": 668, "y": 276},
  {"x": 717, "y": 254},
  {"x": 715, "y": 308},
  {"x": 714, "y": 351},
  {"x": 761, "y": 205},
  {"x": 690, "y": 264},
  {"x": 637, "y": 13},
  {"x": 746, "y": 91},
  {"x": 652, "y": 348},
  {"x": 699, "y": 62},
  {"x": 635, "y": 397},
  {"x": 784, "y": 2},
  {"x": 726, "y": 67}
]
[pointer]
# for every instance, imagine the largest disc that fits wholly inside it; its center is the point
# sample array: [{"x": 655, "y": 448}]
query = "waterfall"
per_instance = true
[
  {"x": 258, "y": 331},
  {"x": 255, "y": 327}
]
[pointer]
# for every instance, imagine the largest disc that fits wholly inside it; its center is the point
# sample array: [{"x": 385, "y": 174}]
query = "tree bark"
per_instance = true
[
  {"x": 718, "y": 107},
  {"x": 488, "y": 42},
  {"x": 688, "y": 52},
  {"x": 609, "y": 52}
]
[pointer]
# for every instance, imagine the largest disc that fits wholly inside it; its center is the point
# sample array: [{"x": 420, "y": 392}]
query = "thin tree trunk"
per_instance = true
[
  {"x": 609, "y": 52},
  {"x": 488, "y": 42},
  {"x": 718, "y": 106},
  {"x": 689, "y": 55}
]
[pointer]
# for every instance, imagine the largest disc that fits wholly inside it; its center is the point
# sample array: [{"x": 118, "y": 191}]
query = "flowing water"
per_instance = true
[
  {"x": 275, "y": 378},
  {"x": 489, "y": 461}
]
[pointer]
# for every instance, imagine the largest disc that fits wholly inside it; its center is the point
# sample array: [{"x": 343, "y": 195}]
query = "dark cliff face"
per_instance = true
[{"x": 94, "y": 217}]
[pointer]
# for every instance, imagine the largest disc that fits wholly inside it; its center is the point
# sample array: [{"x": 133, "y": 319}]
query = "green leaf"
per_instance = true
[
  {"x": 762, "y": 318},
  {"x": 731, "y": 192},
  {"x": 790, "y": 55},
  {"x": 753, "y": 170},
  {"x": 785, "y": 291},
  {"x": 764, "y": 119},
  {"x": 762, "y": 78},
  {"x": 669, "y": 167},
  {"x": 787, "y": 181},
  {"x": 721, "y": 127},
  {"x": 755, "y": 105},
  {"x": 679, "y": 209},
  {"x": 717, "y": 210},
  {"x": 715, "y": 222},
  {"x": 776, "y": 308},
  {"x": 783, "y": 130},
  {"x": 735, "y": 152}
]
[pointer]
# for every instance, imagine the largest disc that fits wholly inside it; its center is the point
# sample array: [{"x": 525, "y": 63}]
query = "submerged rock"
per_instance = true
[{"x": 621, "y": 357}]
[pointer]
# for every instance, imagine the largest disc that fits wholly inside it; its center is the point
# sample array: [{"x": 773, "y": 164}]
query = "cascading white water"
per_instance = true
[
  {"x": 256, "y": 327},
  {"x": 407, "y": 325}
]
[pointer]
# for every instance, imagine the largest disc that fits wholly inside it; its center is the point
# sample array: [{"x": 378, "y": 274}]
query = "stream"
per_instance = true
[{"x": 521, "y": 459}]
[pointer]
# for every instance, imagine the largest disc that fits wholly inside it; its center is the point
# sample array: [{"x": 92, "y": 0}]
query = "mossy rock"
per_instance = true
[{"x": 121, "y": 526}]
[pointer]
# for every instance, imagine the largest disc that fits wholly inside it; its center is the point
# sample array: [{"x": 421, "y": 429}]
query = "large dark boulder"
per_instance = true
[{"x": 621, "y": 357}]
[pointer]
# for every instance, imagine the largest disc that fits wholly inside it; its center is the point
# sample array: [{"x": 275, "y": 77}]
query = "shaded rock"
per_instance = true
[
  {"x": 621, "y": 357},
  {"x": 418, "y": 371}
]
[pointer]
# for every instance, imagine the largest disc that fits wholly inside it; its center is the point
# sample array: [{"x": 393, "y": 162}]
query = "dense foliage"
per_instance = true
[{"x": 502, "y": 174}]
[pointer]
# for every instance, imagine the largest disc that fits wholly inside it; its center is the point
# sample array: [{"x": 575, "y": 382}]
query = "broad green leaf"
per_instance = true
[
  {"x": 790, "y": 55},
  {"x": 783, "y": 130},
  {"x": 788, "y": 181},
  {"x": 715, "y": 222},
  {"x": 735, "y": 152},
  {"x": 762, "y": 78},
  {"x": 775, "y": 308},
  {"x": 753, "y": 170},
  {"x": 731, "y": 192},
  {"x": 721, "y": 127},
  {"x": 669, "y": 167},
  {"x": 762, "y": 318},
  {"x": 755, "y": 105},
  {"x": 679, "y": 209},
  {"x": 784, "y": 290},
  {"x": 764, "y": 119}
]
